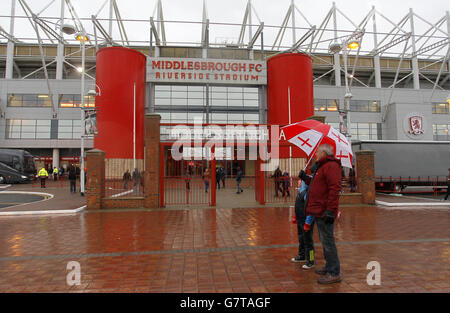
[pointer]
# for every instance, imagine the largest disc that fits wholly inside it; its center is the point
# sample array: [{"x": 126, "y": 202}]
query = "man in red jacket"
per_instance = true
[{"x": 323, "y": 203}]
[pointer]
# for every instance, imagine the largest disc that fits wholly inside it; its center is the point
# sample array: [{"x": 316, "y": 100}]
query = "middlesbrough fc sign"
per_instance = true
[{"x": 184, "y": 70}]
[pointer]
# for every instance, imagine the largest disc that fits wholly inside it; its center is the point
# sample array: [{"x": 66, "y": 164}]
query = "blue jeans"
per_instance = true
[
  {"x": 206, "y": 185},
  {"x": 326, "y": 235}
]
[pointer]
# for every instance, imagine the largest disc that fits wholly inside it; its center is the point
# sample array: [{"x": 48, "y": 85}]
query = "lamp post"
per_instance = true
[
  {"x": 81, "y": 37},
  {"x": 345, "y": 46}
]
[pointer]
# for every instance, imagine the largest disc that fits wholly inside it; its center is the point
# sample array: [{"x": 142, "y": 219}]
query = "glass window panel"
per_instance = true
[
  {"x": 251, "y": 117},
  {"x": 28, "y": 122},
  {"x": 219, "y": 89},
  {"x": 196, "y": 89},
  {"x": 320, "y": 104},
  {"x": 332, "y": 105},
  {"x": 250, "y": 90},
  {"x": 66, "y": 129},
  {"x": 251, "y": 103},
  {"x": 235, "y": 95},
  {"x": 363, "y": 137},
  {"x": 64, "y": 123},
  {"x": 164, "y": 115},
  {"x": 196, "y": 94},
  {"x": 43, "y": 122},
  {"x": 43, "y": 135},
  {"x": 76, "y": 123},
  {"x": 43, "y": 129},
  {"x": 374, "y": 106},
  {"x": 235, "y": 90},
  {"x": 218, "y": 95},
  {"x": 44, "y": 100},
  {"x": 162, "y": 87},
  {"x": 65, "y": 135},
  {"x": 162, "y": 101},
  {"x": 178, "y": 115},
  {"x": 179, "y": 88},
  {"x": 218, "y": 102},
  {"x": 179, "y": 94},
  {"x": 251, "y": 96},
  {"x": 28, "y": 129},
  {"x": 28, "y": 135},
  {"x": 179, "y": 101},
  {"x": 15, "y": 101},
  {"x": 219, "y": 117},
  {"x": 29, "y": 98},
  {"x": 198, "y": 102},
  {"x": 235, "y": 118},
  {"x": 235, "y": 102},
  {"x": 13, "y": 135},
  {"x": 162, "y": 93},
  {"x": 196, "y": 115}
]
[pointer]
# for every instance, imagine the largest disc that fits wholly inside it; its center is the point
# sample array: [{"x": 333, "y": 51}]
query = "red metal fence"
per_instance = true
[{"x": 186, "y": 190}]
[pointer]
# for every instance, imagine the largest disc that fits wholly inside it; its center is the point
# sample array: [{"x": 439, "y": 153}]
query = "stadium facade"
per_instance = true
[{"x": 394, "y": 87}]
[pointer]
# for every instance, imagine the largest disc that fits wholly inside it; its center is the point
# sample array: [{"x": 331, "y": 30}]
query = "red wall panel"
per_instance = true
[
  {"x": 118, "y": 69},
  {"x": 291, "y": 71}
]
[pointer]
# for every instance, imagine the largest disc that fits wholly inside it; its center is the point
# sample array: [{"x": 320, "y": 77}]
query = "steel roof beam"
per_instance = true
[
  {"x": 99, "y": 26},
  {"x": 155, "y": 31},
  {"x": 8, "y": 36},
  {"x": 255, "y": 36},
  {"x": 391, "y": 44}
]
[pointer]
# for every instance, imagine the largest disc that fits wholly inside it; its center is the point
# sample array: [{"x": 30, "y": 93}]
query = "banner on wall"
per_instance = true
[
  {"x": 185, "y": 70},
  {"x": 90, "y": 122}
]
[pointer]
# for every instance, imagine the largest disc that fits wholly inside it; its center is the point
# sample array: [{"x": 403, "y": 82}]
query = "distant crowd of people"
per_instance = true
[{"x": 58, "y": 173}]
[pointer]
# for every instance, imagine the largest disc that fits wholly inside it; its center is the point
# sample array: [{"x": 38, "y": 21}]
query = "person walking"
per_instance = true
[
  {"x": 187, "y": 179},
  {"x": 206, "y": 177},
  {"x": 352, "y": 178},
  {"x": 277, "y": 177},
  {"x": 448, "y": 185},
  {"x": 136, "y": 181},
  {"x": 126, "y": 179},
  {"x": 239, "y": 180},
  {"x": 222, "y": 176},
  {"x": 323, "y": 203},
  {"x": 73, "y": 179},
  {"x": 55, "y": 173},
  {"x": 43, "y": 174},
  {"x": 286, "y": 183},
  {"x": 218, "y": 177}
]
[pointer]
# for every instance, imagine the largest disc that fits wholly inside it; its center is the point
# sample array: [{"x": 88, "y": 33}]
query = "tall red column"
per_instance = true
[
  {"x": 120, "y": 77},
  {"x": 290, "y": 90}
]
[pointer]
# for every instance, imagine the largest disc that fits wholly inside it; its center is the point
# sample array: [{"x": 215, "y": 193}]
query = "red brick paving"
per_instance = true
[{"x": 223, "y": 250}]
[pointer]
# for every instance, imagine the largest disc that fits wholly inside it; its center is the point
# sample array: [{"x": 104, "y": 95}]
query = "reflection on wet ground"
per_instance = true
[{"x": 221, "y": 250}]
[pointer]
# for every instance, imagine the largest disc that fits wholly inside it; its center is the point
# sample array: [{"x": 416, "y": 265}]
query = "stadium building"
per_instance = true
[{"x": 391, "y": 86}]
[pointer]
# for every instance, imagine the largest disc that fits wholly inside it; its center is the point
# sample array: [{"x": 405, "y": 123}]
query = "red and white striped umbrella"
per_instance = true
[{"x": 309, "y": 134}]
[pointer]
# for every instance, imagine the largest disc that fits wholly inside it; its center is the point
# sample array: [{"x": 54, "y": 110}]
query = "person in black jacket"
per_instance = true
[
  {"x": 73, "y": 179},
  {"x": 277, "y": 180},
  {"x": 239, "y": 180}
]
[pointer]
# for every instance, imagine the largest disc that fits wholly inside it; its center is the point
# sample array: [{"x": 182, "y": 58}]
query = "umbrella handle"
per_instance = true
[{"x": 314, "y": 151}]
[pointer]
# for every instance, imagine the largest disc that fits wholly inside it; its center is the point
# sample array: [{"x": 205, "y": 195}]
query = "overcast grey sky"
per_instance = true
[{"x": 232, "y": 11}]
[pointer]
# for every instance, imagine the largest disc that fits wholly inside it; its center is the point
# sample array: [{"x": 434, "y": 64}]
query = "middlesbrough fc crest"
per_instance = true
[{"x": 415, "y": 125}]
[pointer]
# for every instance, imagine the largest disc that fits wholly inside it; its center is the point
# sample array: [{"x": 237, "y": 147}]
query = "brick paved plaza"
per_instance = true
[{"x": 220, "y": 250}]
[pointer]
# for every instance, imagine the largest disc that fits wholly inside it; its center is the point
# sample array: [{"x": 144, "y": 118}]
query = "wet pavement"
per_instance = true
[
  {"x": 221, "y": 250},
  {"x": 31, "y": 198}
]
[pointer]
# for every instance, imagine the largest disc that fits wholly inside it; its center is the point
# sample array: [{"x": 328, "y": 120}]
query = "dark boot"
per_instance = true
[{"x": 329, "y": 279}]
